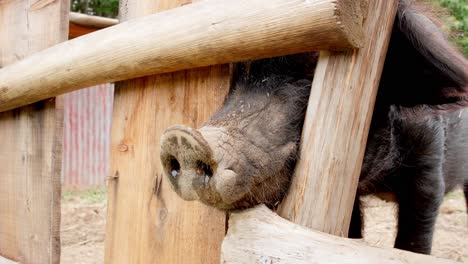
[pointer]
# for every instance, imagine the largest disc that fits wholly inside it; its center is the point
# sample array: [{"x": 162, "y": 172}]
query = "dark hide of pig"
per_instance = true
[
  {"x": 245, "y": 154},
  {"x": 417, "y": 147}
]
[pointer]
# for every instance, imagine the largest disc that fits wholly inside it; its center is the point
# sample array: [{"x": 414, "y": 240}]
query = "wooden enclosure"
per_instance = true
[
  {"x": 260, "y": 236},
  {"x": 345, "y": 85},
  {"x": 201, "y": 37},
  {"x": 147, "y": 222},
  {"x": 30, "y": 139},
  {"x": 171, "y": 67}
]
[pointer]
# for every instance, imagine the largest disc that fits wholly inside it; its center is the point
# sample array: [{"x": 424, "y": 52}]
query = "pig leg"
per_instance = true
[{"x": 419, "y": 198}]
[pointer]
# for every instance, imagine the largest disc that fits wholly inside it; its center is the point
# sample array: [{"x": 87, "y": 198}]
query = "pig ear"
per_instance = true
[{"x": 422, "y": 66}]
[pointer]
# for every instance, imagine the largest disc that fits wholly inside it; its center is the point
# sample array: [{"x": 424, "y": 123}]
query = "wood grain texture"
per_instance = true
[
  {"x": 195, "y": 35},
  {"x": 260, "y": 236},
  {"x": 91, "y": 21},
  {"x": 30, "y": 140},
  {"x": 147, "y": 222},
  {"x": 335, "y": 132}
]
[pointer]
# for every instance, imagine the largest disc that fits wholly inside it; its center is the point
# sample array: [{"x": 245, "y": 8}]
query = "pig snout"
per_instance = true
[
  {"x": 187, "y": 161},
  {"x": 223, "y": 169},
  {"x": 192, "y": 164}
]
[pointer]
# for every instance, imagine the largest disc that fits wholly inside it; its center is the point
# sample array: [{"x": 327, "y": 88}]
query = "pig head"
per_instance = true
[{"x": 246, "y": 153}]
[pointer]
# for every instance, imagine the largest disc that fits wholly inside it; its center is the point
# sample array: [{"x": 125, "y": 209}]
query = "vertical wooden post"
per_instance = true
[
  {"x": 30, "y": 140},
  {"x": 147, "y": 222},
  {"x": 335, "y": 131}
]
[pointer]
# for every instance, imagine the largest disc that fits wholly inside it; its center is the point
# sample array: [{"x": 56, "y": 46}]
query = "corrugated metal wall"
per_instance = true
[{"x": 88, "y": 114}]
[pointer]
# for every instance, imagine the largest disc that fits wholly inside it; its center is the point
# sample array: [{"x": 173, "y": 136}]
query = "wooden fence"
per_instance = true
[{"x": 147, "y": 222}]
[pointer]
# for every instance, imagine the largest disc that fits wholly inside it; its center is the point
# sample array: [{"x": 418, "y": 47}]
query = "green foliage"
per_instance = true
[
  {"x": 458, "y": 21},
  {"x": 104, "y": 8}
]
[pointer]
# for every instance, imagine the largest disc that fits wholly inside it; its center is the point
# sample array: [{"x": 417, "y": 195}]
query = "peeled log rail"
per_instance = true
[
  {"x": 194, "y": 35},
  {"x": 81, "y": 24},
  {"x": 91, "y": 21},
  {"x": 260, "y": 236}
]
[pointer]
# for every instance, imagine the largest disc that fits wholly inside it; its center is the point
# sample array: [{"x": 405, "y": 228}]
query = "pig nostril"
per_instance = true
[
  {"x": 204, "y": 169},
  {"x": 174, "y": 167}
]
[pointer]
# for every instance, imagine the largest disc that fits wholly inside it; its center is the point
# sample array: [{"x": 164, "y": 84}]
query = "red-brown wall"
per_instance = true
[{"x": 88, "y": 115}]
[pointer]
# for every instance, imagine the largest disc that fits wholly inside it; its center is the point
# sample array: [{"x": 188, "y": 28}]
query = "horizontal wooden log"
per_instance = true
[
  {"x": 91, "y": 21},
  {"x": 260, "y": 236},
  {"x": 81, "y": 24},
  {"x": 195, "y": 35}
]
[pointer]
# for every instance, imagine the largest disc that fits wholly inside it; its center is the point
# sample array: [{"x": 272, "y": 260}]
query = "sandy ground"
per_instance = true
[
  {"x": 83, "y": 227},
  {"x": 451, "y": 233}
]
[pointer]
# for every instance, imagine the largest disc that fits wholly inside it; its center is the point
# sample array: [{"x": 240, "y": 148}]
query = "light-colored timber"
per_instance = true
[
  {"x": 81, "y": 24},
  {"x": 258, "y": 235},
  {"x": 194, "y": 35},
  {"x": 147, "y": 221},
  {"x": 91, "y": 21},
  {"x": 336, "y": 126},
  {"x": 30, "y": 140}
]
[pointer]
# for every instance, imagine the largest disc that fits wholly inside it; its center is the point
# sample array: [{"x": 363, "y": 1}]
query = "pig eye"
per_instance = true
[
  {"x": 203, "y": 169},
  {"x": 174, "y": 166}
]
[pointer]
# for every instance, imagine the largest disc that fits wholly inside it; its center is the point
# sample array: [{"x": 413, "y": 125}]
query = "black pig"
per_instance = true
[{"x": 417, "y": 147}]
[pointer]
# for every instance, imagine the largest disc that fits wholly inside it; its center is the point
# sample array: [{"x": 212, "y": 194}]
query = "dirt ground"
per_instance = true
[
  {"x": 84, "y": 215},
  {"x": 83, "y": 226},
  {"x": 451, "y": 234}
]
